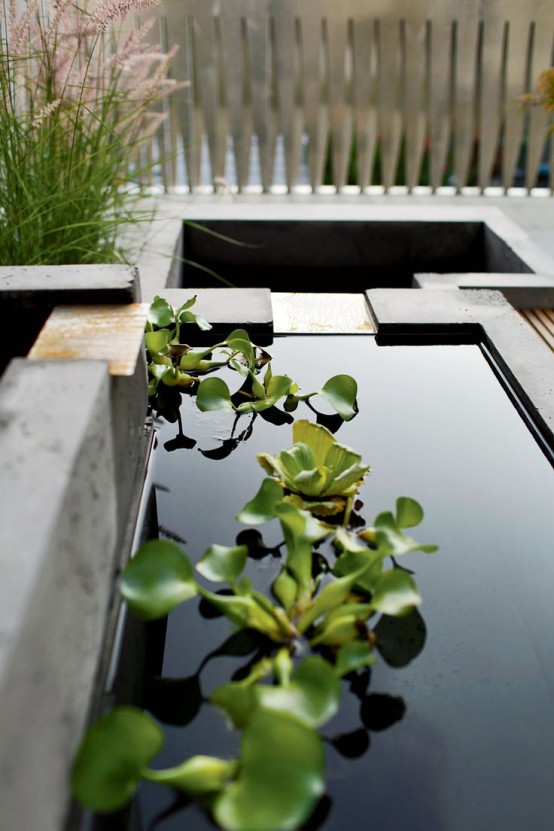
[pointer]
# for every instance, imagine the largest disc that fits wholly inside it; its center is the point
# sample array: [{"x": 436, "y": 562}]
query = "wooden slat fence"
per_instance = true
[{"x": 362, "y": 92}]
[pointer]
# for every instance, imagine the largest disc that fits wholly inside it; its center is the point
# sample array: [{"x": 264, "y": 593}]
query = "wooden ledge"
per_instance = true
[{"x": 111, "y": 333}]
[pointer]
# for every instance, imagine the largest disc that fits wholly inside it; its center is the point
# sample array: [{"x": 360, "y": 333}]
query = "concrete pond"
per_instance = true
[{"x": 76, "y": 435}]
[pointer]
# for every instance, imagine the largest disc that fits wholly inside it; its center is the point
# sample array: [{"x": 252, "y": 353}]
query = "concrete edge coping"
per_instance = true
[
  {"x": 523, "y": 355},
  {"x": 58, "y": 544},
  {"x": 99, "y": 283},
  {"x": 227, "y": 309},
  {"x": 523, "y": 291},
  {"x": 113, "y": 333},
  {"x": 158, "y": 267}
]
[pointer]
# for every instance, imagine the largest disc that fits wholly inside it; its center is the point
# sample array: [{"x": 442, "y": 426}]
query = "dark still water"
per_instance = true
[{"x": 472, "y": 743}]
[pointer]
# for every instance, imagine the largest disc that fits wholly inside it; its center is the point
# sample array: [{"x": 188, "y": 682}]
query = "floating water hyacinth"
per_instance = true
[{"x": 320, "y": 474}]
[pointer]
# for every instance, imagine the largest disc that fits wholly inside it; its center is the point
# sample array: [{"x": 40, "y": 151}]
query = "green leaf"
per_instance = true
[
  {"x": 285, "y": 589},
  {"x": 197, "y": 776},
  {"x": 161, "y": 313},
  {"x": 110, "y": 760},
  {"x": 301, "y": 530},
  {"x": 331, "y": 597},
  {"x": 237, "y": 700},
  {"x": 213, "y": 394},
  {"x": 392, "y": 542},
  {"x": 395, "y": 593},
  {"x": 408, "y": 512},
  {"x": 276, "y": 749},
  {"x": 258, "y": 388},
  {"x": 156, "y": 342},
  {"x": 340, "y": 629},
  {"x": 239, "y": 341},
  {"x": 340, "y": 391},
  {"x": 353, "y": 656},
  {"x": 278, "y": 386},
  {"x": 223, "y": 564},
  {"x": 312, "y": 695},
  {"x": 157, "y": 579},
  {"x": 262, "y": 507},
  {"x": 245, "y": 612}
]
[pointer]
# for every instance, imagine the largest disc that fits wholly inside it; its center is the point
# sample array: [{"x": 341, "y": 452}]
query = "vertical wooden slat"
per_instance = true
[
  {"x": 415, "y": 96},
  {"x": 184, "y": 106},
  {"x": 207, "y": 85},
  {"x": 236, "y": 80},
  {"x": 465, "y": 81},
  {"x": 312, "y": 84},
  {"x": 517, "y": 60},
  {"x": 491, "y": 91},
  {"x": 440, "y": 61},
  {"x": 336, "y": 32},
  {"x": 287, "y": 83},
  {"x": 541, "y": 57},
  {"x": 389, "y": 97},
  {"x": 365, "y": 97},
  {"x": 263, "y": 103}
]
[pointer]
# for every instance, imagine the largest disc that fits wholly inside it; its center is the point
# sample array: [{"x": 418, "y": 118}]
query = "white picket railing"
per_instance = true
[{"x": 362, "y": 92}]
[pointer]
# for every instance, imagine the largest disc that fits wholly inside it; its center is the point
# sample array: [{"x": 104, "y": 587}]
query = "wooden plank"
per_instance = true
[
  {"x": 320, "y": 312},
  {"x": 542, "y": 321},
  {"x": 287, "y": 85},
  {"x": 111, "y": 333},
  {"x": 364, "y": 97},
  {"x": 415, "y": 96}
]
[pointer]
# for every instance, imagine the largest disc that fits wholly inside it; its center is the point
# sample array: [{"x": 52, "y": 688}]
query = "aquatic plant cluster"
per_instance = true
[
  {"x": 82, "y": 88},
  {"x": 318, "y": 622}
]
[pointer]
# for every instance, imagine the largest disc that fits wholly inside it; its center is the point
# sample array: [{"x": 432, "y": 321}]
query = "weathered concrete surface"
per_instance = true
[
  {"x": 114, "y": 333},
  {"x": 58, "y": 546},
  {"x": 525, "y": 222},
  {"x": 227, "y": 309},
  {"x": 523, "y": 291},
  {"x": 29, "y": 293},
  {"x": 523, "y": 355}
]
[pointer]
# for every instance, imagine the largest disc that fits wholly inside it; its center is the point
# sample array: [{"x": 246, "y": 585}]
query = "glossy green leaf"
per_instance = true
[
  {"x": 301, "y": 530},
  {"x": 279, "y": 755},
  {"x": 408, "y": 512},
  {"x": 278, "y": 386},
  {"x": 262, "y": 507},
  {"x": 157, "y": 579},
  {"x": 213, "y": 394},
  {"x": 197, "y": 776},
  {"x": 160, "y": 313},
  {"x": 341, "y": 391},
  {"x": 157, "y": 342},
  {"x": 258, "y": 388},
  {"x": 392, "y": 542},
  {"x": 111, "y": 758},
  {"x": 196, "y": 318},
  {"x": 313, "y": 694},
  {"x": 395, "y": 593},
  {"x": 193, "y": 359},
  {"x": 239, "y": 341},
  {"x": 340, "y": 629},
  {"x": 244, "y": 611},
  {"x": 353, "y": 656},
  {"x": 353, "y": 562},
  {"x": 223, "y": 564},
  {"x": 237, "y": 700},
  {"x": 331, "y": 597},
  {"x": 285, "y": 589}
]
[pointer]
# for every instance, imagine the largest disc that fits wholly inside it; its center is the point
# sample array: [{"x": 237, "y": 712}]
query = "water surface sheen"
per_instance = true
[{"x": 475, "y": 746}]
